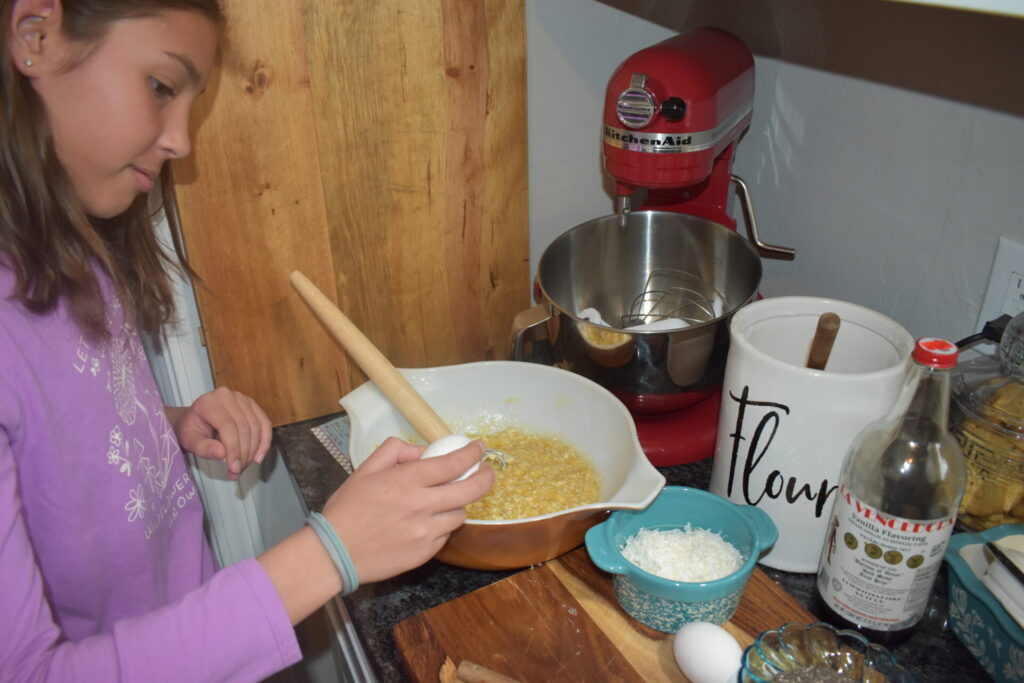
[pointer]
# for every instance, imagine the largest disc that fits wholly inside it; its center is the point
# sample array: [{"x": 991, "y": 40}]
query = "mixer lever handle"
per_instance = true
[{"x": 748, "y": 212}]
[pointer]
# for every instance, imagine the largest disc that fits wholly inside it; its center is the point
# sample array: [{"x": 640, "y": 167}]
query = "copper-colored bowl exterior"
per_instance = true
[
  {"x": 479, "y": 397},
  {"x": 519, "y": 544}
]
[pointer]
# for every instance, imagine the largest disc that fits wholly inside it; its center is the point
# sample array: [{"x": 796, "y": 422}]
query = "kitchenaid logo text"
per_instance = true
[
  {"x": 624, "y": 137},
  {"x": 898, "y": 524},
  {"x": 627, "y": 107},
  {"x": 776, "y": 484}
]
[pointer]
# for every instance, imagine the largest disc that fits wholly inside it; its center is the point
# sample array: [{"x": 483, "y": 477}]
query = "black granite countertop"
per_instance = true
[{"x": 933, "y": 653}]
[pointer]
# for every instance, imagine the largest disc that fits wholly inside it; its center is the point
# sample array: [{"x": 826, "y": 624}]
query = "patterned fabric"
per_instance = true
[{"x": 334, "y": 435}]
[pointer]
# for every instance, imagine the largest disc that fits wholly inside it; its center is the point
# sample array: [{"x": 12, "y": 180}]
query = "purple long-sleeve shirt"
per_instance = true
[{"x": 105, "y": 573}]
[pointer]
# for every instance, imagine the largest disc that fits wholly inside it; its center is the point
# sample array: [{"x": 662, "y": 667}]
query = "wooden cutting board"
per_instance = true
[{"x": 560, "y": 622}]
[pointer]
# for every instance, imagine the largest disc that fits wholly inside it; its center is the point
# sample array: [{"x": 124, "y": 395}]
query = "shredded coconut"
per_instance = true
[{"x": 691, "y": 555}]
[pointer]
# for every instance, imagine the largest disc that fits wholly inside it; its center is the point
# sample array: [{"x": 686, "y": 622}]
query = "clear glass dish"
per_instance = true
[
  {"x": 802, "y": 653},
  {"x": 987, "y": 417}
]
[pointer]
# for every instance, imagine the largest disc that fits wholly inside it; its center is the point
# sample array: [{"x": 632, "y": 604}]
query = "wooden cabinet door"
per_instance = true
[{"x": 378, "y": 147}]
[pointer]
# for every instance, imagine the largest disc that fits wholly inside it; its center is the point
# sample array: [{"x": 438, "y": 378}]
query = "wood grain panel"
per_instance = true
[
  {"x": 505, "y": 263},
  {"x": 415, "y": 177},
  {"x": 560, "y": 621},
  {"x": 251, "y": 207},
  {"x": 379, "y": 148}
]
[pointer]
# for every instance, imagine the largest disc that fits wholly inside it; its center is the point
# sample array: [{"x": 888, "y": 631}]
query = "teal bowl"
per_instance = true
[{"x": 666, "y": 605}]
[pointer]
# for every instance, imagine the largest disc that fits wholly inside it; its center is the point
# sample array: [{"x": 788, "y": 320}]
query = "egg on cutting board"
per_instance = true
[{"x": 707, "y": 653}]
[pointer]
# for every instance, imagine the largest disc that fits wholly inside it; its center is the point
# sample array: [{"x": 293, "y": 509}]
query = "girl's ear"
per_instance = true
[{"x": 35, "y": 30}]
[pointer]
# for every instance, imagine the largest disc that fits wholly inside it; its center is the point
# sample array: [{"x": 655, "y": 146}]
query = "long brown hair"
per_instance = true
[{"x": 46, "y": 239}]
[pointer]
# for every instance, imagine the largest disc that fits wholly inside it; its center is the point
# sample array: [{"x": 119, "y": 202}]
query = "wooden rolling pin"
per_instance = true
[
  {"x": 824, "y": 337},
  {"x": 374, "y": 363}
]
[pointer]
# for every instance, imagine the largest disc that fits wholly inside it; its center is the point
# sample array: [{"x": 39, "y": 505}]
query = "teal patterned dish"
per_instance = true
[
  {"x": 975, "y": 615},
  {"x": 810, "y": 652},
  {"x": 666, "y": 605}
]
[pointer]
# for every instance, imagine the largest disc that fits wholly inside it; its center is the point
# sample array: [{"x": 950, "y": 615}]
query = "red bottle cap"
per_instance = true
[{"x": 935, "y": 352}]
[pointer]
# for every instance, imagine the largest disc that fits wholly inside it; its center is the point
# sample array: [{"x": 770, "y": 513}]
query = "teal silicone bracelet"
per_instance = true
[{"x": 337, "y": 550}]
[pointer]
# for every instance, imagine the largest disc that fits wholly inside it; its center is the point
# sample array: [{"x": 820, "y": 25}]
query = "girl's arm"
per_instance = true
[
  {"x": 392, "y": 514},
  {"x": 232, "y": 628}
]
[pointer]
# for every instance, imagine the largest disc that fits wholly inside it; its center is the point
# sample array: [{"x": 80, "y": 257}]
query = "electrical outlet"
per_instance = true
[{"x": 1005, "y": 291}]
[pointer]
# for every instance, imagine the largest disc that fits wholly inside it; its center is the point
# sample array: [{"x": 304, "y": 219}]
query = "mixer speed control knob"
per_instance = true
[{"x": 673, "y": 109}]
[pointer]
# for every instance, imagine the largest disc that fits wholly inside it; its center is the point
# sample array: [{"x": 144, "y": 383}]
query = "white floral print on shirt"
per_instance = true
[{"x": 145, "y": 461}]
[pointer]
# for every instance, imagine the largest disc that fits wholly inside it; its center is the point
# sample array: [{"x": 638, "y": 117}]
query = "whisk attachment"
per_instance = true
[
  {"x": 496, "y": 457},
  {"x": 671, "y": 294}
]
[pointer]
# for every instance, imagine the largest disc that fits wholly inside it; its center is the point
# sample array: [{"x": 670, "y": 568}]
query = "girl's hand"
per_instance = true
[
  {"x": 223, "y": 425},
  {"x": 396, "y": 511}
]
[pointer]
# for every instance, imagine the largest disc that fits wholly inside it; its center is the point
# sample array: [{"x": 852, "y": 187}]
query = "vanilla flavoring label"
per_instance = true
[{"x": 877, "y": 570}]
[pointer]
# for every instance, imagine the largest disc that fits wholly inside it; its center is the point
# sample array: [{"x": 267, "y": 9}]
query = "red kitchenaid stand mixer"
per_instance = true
[{"x": 673, "y": 114}]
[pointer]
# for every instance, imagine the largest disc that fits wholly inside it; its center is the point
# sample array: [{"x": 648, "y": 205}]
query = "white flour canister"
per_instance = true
[{"x": 784, "y": 429}]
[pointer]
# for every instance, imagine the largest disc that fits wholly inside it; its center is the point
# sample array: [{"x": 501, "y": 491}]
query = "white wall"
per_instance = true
[
  {"x": 887, "y": 144},
  {"x": 573, "y": 46}
]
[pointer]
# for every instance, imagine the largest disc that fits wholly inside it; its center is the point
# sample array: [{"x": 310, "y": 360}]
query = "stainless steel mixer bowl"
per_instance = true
[{"x": 601, "y": 265}]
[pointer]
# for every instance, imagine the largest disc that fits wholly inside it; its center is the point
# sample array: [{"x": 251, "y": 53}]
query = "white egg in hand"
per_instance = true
[
  {"x": 707, "y": 653},
  {"x": 447, "y": 444}
]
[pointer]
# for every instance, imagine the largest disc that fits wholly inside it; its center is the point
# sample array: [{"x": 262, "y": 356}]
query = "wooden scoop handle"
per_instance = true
[
  {"x": 474, "y": 673},
  {"x": 374, "y": 363},
  {"x": 824, "y": 337}
]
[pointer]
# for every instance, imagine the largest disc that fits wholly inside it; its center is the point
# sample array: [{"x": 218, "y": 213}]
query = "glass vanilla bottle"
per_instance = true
[{"x": 899, "y": 490}]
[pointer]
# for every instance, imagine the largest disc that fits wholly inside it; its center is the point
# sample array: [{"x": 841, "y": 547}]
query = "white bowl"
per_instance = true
[{"x": 488, "y": 396}]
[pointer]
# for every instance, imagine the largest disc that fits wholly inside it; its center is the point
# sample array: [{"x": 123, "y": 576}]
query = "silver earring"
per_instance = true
[{"x": 28, "y": 62}]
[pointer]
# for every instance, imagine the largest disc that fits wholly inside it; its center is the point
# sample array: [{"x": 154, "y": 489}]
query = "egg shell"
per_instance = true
[
  {"x": 707, "y": 653},
  {"x": 447, "y": 444}
]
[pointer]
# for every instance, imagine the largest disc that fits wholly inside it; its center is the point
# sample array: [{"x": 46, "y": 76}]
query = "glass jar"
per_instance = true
[{"x": 987, "y": 418}]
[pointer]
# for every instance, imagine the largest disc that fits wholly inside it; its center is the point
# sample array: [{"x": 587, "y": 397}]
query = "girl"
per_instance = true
[{"x": 104, "y": 571}]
